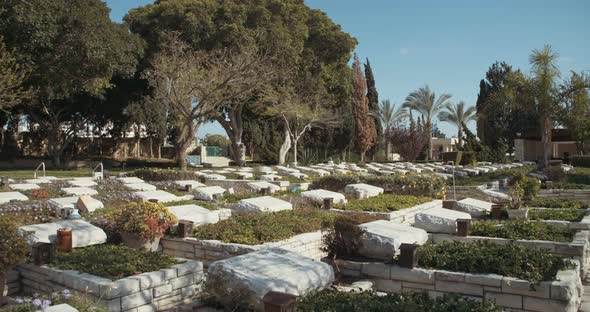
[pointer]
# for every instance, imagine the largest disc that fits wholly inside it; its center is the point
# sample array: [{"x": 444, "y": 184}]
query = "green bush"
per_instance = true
[
  {"x": 341, "y": 237},
  {"x": 334, "y": 183},
  {"x": 145, "y": 219},
  {"x": 579, "y": 176},
  {"x": 522, "y": 229},
  {"x": 112, "y": 261},
  {"x": 413, "y": 184},
  {"x": 556, "y": 203},
  {"x": 571, "y": 215},
  {"x": 13, "y": 245},
  {"x": 151, "y": 174},
  {"x": 484, "y": 257},
  {"x": 335, "y": 301},
  {"x": 580, "y": 160},
  {"x": 254, "y": 229},
  {"x": 385, "y": 203},
  {"x": 555, "y": 173},
  {"x": 568, "y": 186},
  {"x": 494, "y": 176}
]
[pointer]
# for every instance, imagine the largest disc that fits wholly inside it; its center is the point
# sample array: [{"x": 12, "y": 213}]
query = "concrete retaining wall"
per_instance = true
[
  {"x": 208, "y": 251},
  {"x": 160, "y": 290},
  {"x": 12, "y": 285},
  {"x": 563, "y": 294},
  {"x": 569, "y": 194}
]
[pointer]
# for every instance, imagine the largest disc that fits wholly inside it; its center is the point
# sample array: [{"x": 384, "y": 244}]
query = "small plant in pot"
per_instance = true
[
  {"x": 142, "y": 224},
  {"x": 522, "y": 189},
  {"x": 13, "y": 249}
]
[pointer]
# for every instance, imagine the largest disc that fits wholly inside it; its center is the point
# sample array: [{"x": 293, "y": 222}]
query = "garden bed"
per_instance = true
[
  {"x": 562, "y": 203},
  {"x": 384, "y": 203},
  {"x": 553, "y": 285},
  {"x": 405, "y": 215},
  {"x": 172, "y": 285},
  {"x": 570, "y": 214},
  {"x": 522, "y": 229}
]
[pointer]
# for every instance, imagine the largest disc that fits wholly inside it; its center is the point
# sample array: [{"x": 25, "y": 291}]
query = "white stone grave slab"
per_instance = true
[
  {"x": 80, "y": 190},
  {"x": 257, "y": 186},
  {"x": 65, "y": 202},
  {"x": 23, "y": 186},
  {"x": 270, "y": 177},
  {"x": 381, "y": 238},
  {"x": 208, "y": 192},
  {"x": 194, "y": 184},
  {"x": 195, "y": 213},
  {"x": 362, "y": 190},
  {"x": 87, "y": 204},
  {"x": 213, "y": 176},
  {"x": 141, "y": 186},
  {"x": 39, "y": 181},
  {"x": 162, "y": 196},
  {"x": 271, "y": 270},
  {"x": 439, "y": 220},
  {"x": 262, "y": 204},
  {"x": 474, "y": 207},
  {"x": 129, "y": 180},
  {"x": 6, "y": 197},
  {"x": 319, "y": 195},
  {"x": 83, "y": 183},
  {"x": 83, "y": 233}
]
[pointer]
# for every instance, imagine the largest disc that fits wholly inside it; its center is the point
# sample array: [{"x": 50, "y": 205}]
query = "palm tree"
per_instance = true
[
  {"x": 388, "y": 115},
  {"x": 425, "y": 102},
  {"x": 457, "y": 115}
]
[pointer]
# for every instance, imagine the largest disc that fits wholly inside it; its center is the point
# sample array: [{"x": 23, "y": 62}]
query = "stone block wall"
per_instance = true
[
  {"x": 569, "y": 194},
  {"x": 207, "y": 251},
  {"x": 405, "y": 216},
  {"x": 564, "y": 294},
  {"x": 160, "y": 290},
  {"x": 12, "y": 285}
]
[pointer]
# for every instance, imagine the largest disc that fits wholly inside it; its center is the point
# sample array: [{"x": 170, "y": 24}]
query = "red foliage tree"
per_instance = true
[{"x": 409, "y": 142}]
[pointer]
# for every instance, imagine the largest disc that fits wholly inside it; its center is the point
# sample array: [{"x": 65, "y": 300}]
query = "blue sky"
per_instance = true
[{"x": 449, "y": 44}]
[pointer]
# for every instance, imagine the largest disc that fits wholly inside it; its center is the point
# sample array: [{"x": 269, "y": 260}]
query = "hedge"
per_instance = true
[
  {"x": 368, "y": 301},
  {"x": 112, "y": 261},
  {"x": 165, "y": 174},
  {"x": 580, "y": 160},
  {"x": 385, "y": 203},
  {"x": 522, "y": 229},
  {"x": 556, "y": 203},
  {"x": 484, "y": 257},
  {"x": 571, "y": 215}
]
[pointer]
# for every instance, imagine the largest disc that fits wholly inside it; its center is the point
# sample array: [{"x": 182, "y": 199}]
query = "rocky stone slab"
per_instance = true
[
  {"x": 257, "y": 273},
  {"x": 319, "y": 195},
  {"x": 381, "y": 238},
  {"x": 24, "y": 186},
  {"x": 270, "y": 177},
  {"x": 474, "y": 207},
  {"x": 439, "y": 220},
  {"x": 194, "y": 213},
  {"x": 262, "y": 204},
  {"x": 72, "y": 202},
  {"x": 209, "y": 192},
  {"x": 83, "y": 233},
  {"x": 87, "y": 204},
  {"x": 79, "y": 190},
  {"x": 258, "y": 186},
  {"x": 39, "y": 181},
  {"x": 362, "y": 190},
  {"x": 6, "y": 197},
  {"x": 61, "y": 308}
]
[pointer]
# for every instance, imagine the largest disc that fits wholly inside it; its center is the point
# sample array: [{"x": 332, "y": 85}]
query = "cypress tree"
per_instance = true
[{"x": 373, "y": 97}]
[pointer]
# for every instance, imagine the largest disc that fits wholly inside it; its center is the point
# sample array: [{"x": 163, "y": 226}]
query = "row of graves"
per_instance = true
[{"x": 284, "y": 239}]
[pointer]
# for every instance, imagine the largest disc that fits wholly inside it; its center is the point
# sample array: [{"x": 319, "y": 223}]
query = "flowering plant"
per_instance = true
[
  {"x": 145, "y": 219},
  {"x": 41, "y": 303}
]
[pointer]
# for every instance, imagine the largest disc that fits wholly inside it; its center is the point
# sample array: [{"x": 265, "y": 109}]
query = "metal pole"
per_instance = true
[{"x": 454, "y": 188}]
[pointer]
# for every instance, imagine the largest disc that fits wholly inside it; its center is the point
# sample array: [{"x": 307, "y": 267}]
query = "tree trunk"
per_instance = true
[
  {"x": 234, "y": 130},
  {"x": 295, "y": 141},
  {"x": 387, "y": 150},
  {"x": 429, "y": 133},
  {"x": 546, "y": 139},
  {"x": 151, "y": 142},
  {"x": 459, "y": 138},
  {"x": 184, "y": 141},
  {"x": 363, "y": 156},
  {"x": 159, "y": 150},
  {"x": 284, "y": 147}
]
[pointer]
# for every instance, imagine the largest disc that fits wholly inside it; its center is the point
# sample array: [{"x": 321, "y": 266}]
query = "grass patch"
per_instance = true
[
  {"x": 483, "y": 257},
  {"x": 112, "y": 261},
  {"x": 571, "y": 215},
  {"x": 254, "y": 229},
  {"x": 367, "y": 301},
  {"x": 385, "y": 203},
  {"x": 522, "y": 229}
]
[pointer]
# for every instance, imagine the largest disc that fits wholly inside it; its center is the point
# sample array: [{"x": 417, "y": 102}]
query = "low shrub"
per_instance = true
[
  {"x": 523, "y": 188},
  {"x": 555, "y": 173},
  {"x": 567, "y": 186},
  {"x": 571, "y": 215},
  {"x": 484, "y": 257},
  {"x": 254, "y": 229},
  {"x": 151, "y": 174},
  {"x": 413, "y": 184},
  {"x": 112, "y": 261},
  {"x": 236, "y": 197},
  {"x": 41, "y": 303},
  {"x": 493, "y": 176},
  {"x": 334, "y": 183},
  {"x": 28, "y": 212},
  {"x": 556, "y": 203},
  {"x": 385, "y": 203},
  {"x": 579, "y": 176},
  {"x": 144, "y": 219},
  {"x": 367, "y": 301},
  {"x": 13, "y": 244},
  {"x": 522, "y": 229},
  {"x": 580, "y": 160},
  {"x": 341, "y": 236}
]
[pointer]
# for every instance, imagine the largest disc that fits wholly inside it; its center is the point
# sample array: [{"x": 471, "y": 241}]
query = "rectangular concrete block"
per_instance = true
[
  {"x": 388, "y": 286},
  {"x": 462, "y": 288},
  {"x": 449, "y": 276},
  {"x": 504, "y": 300},
  {"x": 182, "y": 281},
  {"x": 415, "y": 275},
  {"x": 493, "y": 280},
  {"x": 375, "y": 269},
  {"x": 512, "y": 285},
  {"x": 162, "y": 290},
  {"x": 546, "y": 305},
  {"x": 136, "y": 300}
]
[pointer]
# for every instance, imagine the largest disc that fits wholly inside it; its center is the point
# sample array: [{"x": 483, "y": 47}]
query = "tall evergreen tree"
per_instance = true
[
  {"x": 373, "y": 97},
  {"x": 366, "y": 134}
]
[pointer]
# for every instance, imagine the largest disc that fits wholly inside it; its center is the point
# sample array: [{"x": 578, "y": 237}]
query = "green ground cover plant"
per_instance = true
[
  {"x": 483, "y": 257},
  {"x": 112, "y": 261},
  {"x": 556, "y": 203},
  {"x": 522, "y": 229},
  {"x": 385, "y": 203},
  {"x": 367, "y": 301},
  {"x": 571, "y": 215},
  {"x": 254, "y": 229},
  {"x": 493, "y": 176},
  {"x": 155, "y": 174}
]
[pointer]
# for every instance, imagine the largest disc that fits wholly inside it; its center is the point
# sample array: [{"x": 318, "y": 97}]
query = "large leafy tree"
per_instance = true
[
  {"x": 575, "y": 108},
  {"x": 366, "y": 134},
  {"x": 425, "y": 102},
  {"x": 12, "y": 78},
  {"x": 74, "y": 50},
  {"x": 457, "y": 115}
]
